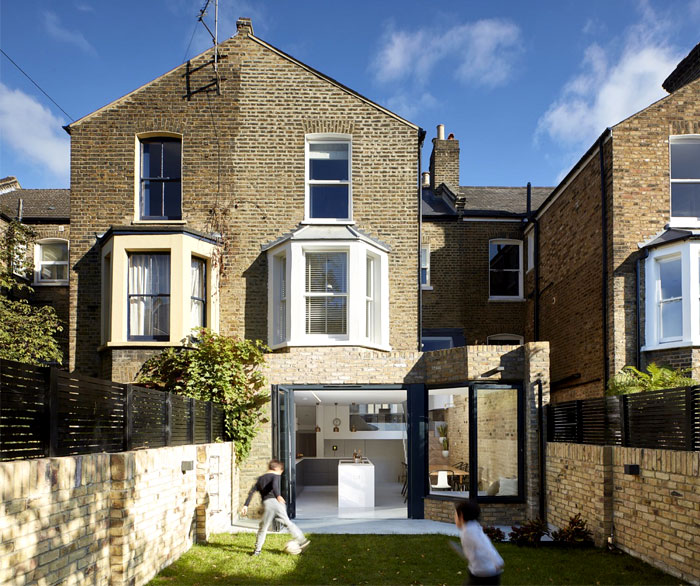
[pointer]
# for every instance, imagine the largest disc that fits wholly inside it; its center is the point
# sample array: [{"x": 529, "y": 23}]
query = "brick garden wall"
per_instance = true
[
  {"x": 109, "y": 518},
  {"x": 652, "y": 516}
]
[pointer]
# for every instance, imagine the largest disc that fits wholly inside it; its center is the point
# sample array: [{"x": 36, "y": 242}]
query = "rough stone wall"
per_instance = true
[
  {"x": 243, "y": 163},
  {"x": 571, "y": 315},
  {"x": 109, "y": 518},
  {"x": 652, "y": 516},
  {"x": 459, "y": 277},
  {"x": 642, "y": 200}
]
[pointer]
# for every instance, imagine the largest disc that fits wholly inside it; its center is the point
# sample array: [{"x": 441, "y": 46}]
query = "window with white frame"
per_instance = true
[
  {"x": 505, "y": 269},
  {"x": 198, "y": 294},
  {"x": 504, "y": 340},
  {"x": 685, "y": 178},
  {"x": 670, "y": 299},
  {"x": 328, "y": 178},
  {"x": 531, "y": 251},
  {"x": 149, "y": 296},
  {"x": 425, "y": 266},
  {"x": 161, "y": 181},
  {"x": 326, "y": 293},
  {"x": 51, "y": 262},
  {"x": 280, "y": 298}
]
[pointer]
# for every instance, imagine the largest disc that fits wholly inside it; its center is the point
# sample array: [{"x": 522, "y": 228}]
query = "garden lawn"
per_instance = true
[{"x": 393, "y": 559}]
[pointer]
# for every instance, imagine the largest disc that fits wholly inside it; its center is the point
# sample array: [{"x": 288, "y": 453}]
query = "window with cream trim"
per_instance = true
[
  {"x": 160, "y": 179},
  {"x": 51, "y": 262}
]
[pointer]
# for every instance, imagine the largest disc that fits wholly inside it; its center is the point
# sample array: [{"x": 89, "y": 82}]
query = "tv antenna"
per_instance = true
[{"x": 214, "y": 84}]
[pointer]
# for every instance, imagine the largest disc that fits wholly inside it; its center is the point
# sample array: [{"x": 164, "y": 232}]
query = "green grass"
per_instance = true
[{"x": 392, "y": 559}]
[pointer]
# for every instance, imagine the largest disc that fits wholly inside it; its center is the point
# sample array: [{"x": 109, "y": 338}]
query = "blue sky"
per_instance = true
[{"x": 526, "y": 87}]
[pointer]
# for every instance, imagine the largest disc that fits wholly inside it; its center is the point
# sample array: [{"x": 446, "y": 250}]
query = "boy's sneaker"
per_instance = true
[
  {"x": 254, "y": 553},
  {"x": 304, "y": 545}
]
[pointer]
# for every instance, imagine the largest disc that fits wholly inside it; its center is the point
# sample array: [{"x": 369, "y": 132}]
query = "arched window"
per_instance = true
[{"x": 51, "y": 262}]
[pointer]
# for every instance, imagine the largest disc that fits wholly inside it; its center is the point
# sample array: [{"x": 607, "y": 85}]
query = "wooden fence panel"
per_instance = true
[{"x": 149, "y": 418}]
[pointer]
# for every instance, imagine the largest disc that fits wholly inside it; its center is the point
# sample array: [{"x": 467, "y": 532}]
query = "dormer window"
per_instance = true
[
  {"x": 160, "y": 179},
  {"x": 328, "y": 178}
]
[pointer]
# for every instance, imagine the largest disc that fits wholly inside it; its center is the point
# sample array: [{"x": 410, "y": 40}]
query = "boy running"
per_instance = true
[
  {"x": 268, "y": 485},
  {"x": 485, "y": 564}
]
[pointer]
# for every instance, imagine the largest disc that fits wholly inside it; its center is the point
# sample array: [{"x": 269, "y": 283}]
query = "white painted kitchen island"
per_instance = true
[{"x": 355, "y": 484}]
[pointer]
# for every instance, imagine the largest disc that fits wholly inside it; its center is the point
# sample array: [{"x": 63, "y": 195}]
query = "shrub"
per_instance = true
[
  {"x": 576, "y": 533},
  {"x": 529, "y": 533},
  {"x": 217, "y": 368},
  {"x": 656, "y": 378},
  {"x": 494, "y": 534}
]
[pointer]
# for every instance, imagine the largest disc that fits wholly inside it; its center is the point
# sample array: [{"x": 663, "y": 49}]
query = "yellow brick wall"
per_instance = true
[
  {"x": 652, "y": 516},
  {"x": 109, "y": 518}
]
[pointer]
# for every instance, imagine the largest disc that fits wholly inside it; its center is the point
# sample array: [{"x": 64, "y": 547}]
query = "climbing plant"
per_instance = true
[
  {"x": 218, "y": 368},
  {"x": 27, "y": 332}
]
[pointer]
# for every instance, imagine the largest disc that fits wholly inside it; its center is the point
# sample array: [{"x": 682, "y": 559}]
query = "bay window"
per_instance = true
[
  {"x": 149, "y": 296},
  {"x": 198, "y": 297},
  {"x": 672, "y": 291},
  {"x": 328, "y": 178},
  {"x": 328, "y": 291}
]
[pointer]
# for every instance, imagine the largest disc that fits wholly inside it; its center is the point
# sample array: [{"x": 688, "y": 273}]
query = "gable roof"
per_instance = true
[
  {"x": 262, "y": 43},
  {"x": 37, "y": 204},
  {"x": 316, "y": 232}
]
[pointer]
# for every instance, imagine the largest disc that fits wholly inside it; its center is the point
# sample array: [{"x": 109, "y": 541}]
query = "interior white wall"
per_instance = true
[{"x": 386, "y": 455}]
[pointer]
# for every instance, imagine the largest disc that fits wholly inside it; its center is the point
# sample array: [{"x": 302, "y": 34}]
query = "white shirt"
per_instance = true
[{"x": 482, "y": 556}]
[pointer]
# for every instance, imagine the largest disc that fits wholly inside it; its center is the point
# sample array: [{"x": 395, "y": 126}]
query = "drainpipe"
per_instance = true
[
  {"x": 421, "y": 138},
  {"x": 532, "y": 218},
  {"x": 542, "y": 452},
  {"x": 638, "y": 278},
  {"x": 604, "y": 229}
]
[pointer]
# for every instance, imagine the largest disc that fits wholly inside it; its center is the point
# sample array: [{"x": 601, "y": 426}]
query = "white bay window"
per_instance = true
[
  {"x": 328, "y": 285},
  {"x": 672, "y": 290}
]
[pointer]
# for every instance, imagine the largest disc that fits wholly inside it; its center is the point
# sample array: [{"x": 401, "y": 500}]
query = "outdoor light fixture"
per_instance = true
[
  {"x": 336, "y": 421},
  {"x": 318, "y": 429}
]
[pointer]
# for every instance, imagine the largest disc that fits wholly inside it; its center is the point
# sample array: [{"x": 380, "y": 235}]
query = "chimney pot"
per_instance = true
[
  {"x": 244, "y": 26},
  {"x": 441, "y": 131},
  {"x": 426, "y": 179},
  {"x": 451, "y": 136}
]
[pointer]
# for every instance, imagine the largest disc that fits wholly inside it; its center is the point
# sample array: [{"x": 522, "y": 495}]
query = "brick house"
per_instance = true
[
  {"x": 615, "y": 271},
  {"x": 46, "y": 212},
  {"x": 249, "y": 193}
]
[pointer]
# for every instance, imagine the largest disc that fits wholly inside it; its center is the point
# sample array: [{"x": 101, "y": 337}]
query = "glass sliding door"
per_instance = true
[{"x": 283, "y": 442}]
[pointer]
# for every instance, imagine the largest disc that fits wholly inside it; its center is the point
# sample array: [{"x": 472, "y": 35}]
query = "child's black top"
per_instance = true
[{"x": 268, "y": 485}]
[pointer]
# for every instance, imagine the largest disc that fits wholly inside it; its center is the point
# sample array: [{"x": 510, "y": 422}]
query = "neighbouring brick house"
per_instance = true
[
  {"x": 616, "y": 279},
  {"x": 268, "y": 201},
  {"x": 44, "y": 264}
]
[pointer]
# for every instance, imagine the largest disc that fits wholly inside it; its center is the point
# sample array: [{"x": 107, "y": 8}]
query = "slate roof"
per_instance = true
[
  {"x": 326, "y": 232},
  {"x": 37, "y": 204},
  {"x": 436, "y": 205},
  {"x": 500, "y": 201},
  {"x": 671, "y": 235}
]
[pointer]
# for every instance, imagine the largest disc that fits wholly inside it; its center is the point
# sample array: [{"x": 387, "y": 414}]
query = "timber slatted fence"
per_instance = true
[
  {"x": 668, "y": 419},
  {"x": 48, "y": 412}
]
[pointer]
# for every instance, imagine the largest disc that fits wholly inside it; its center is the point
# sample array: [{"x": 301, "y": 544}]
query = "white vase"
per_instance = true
[
  {"x": 441, "y": 438},
  {"x": 445, "y": 453}
]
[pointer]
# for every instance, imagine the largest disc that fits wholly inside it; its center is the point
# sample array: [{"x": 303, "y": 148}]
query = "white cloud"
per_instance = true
[
  {"x": 409, "y": 105},
  {"x": 53, "y": 26},
  {"x": 613, "y": 84},
  {"x": 481, "y": 52},
  {"x": 33, "y": 132}
]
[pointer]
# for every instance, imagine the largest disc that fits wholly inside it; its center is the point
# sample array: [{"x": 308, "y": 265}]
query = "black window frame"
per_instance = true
[{"x": 162, "y": 180}]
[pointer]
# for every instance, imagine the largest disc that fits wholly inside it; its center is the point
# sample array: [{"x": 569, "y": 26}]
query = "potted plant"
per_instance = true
[
  {"x": 445, "y": 447},
  {"x": 442, "y": 431}
]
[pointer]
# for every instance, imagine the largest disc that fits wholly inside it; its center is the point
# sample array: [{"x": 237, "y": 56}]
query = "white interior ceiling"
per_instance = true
[{"x": 347, "y": 397}]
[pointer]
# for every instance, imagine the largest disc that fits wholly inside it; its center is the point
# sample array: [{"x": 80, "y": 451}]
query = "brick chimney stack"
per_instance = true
[
  {"x": 244, "y": 26},
  {"x": 444, "y": 160}
]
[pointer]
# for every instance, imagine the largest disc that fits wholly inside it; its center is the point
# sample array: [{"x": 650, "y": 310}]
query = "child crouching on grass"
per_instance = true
[{"x": 485, "y": 564}]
